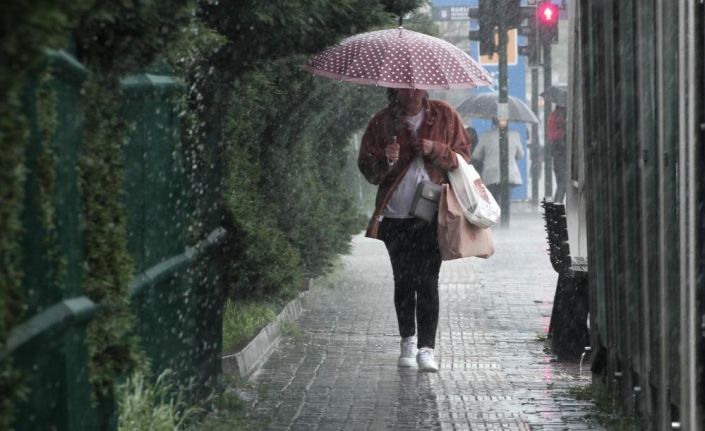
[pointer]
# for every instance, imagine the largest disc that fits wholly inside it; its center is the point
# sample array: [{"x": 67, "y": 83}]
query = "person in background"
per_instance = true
[
  {"x": 472, "y": 133},
  {"x": 411, "y": 140},
  {"x": 557, "y": 146},
  {"x": 487, "y": 152}
]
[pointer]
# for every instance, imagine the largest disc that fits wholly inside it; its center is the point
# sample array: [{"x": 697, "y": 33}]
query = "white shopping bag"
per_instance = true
[{"x": 478, "y": 204}]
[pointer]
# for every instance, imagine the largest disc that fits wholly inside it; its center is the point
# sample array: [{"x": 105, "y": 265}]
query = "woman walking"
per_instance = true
[{"x": 411, "y": 140}]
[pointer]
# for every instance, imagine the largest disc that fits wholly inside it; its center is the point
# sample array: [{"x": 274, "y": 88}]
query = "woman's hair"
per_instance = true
[
  {"x": 393, "y": 104},
  {"x": 392, "y": 98}
]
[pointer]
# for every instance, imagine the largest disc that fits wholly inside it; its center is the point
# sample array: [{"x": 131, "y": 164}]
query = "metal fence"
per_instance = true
[
  {"x": 636, "y": 116},
  {"x": 178, "y": 312}
]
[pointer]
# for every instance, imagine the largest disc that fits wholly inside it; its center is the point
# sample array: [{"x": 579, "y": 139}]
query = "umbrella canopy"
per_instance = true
[
  {"x": 557, "y": 94},
  {"x": 484, "y": 105},
  {"x": 399, "y": 58}
]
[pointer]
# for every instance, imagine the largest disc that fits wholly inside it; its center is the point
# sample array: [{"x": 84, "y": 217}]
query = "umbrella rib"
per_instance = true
[
  {"x": 383, "y": 67},
  {"x": 473, "y": 107},
  {"x": 346, "y": 71},
  {"x": 524, "y": 114},
  {"x": 354, "y": 61},
  {"x": 470, "y": 69},
  {"x": 445, "y": 77},
  {"x": 411, "y": 65}
]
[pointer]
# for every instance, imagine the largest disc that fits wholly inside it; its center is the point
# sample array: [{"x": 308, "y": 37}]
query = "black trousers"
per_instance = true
[{"x": 416, "y": 262}]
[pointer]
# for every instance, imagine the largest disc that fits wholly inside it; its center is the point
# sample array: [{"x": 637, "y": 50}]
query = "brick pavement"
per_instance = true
[{"x": 340, "y": 373}]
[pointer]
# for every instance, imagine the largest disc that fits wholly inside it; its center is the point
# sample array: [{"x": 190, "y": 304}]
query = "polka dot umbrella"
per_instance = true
[{"x": 399, "y": 58}]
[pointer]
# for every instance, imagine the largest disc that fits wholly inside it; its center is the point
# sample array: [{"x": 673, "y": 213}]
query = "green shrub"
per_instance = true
[
  {"x": 108, "y": 266},
  {"x": 286, "y": 140},
  {"x": 287, "y": 208},
  {"x": 122, "y": 37},
  {"x": 263, "y": 31},
  {"x": 287, "y": 178},
  {"x": 27, "y": 28},
  {"x": 243, "y": 320},
  {"x": 286, "y": 220},
  {"x": 114, "y": 39}
]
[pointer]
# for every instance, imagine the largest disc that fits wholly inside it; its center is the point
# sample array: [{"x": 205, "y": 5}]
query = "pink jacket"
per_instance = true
[{"x": 442, "y": 125}]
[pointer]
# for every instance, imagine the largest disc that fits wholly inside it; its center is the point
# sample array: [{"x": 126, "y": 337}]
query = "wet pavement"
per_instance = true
[{"x": 340, "y": 373}]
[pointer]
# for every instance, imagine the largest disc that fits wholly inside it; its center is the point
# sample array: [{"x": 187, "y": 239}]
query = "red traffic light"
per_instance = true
[{"x": 547, "y": 13}]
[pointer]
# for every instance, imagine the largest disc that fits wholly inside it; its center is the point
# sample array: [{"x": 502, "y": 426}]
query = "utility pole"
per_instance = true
[
  {"x": 547, "y": 160},
  {"x": 535, "y": 147},
  {"x": 502, "y": 116},
  {"x": 547, "y": 14},
  {"x": 529, "y": 28}
]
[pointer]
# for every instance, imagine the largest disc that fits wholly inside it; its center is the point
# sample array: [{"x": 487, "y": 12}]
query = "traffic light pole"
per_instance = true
[
  {"x": 535, "y": 147},
  {"x": 502, "y": 113},
  {"x": 548, "y": 165}
]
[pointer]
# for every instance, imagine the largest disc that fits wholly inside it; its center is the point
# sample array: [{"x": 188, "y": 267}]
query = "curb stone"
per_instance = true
[{"x": 247, "y": 361}]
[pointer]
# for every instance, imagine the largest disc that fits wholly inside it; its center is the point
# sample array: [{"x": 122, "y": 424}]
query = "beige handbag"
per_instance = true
[{"x": 457, "y": 237}]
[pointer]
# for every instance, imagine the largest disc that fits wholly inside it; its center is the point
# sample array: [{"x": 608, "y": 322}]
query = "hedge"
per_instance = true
[{"x": 279, "y": 139}]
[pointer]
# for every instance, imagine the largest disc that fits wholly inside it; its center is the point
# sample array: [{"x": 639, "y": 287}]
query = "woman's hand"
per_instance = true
[
  {"x": 424, "y": 146},
  {"x": 391, "y": 151}
]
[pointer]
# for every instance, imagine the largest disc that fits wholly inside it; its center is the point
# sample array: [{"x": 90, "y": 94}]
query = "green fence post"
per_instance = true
[
  {"x": 49, "y": 347},
  {"x": 166, "y": 289}
]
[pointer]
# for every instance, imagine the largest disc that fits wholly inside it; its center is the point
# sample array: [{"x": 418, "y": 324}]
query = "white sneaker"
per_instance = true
[
  {"x": 425, "y": 360},
  {"x": 407, "y": 358}
]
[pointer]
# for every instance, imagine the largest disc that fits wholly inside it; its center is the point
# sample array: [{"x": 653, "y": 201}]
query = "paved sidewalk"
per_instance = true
[{"x": 341, "y": 373}]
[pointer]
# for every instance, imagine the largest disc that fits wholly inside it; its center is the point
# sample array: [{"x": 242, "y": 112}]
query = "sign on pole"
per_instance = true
[
  {"x": 450, "y": 13},
  {"x": 512, "y": 51}
]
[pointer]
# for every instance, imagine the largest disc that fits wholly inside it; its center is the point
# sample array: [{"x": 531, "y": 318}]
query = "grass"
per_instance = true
[
  {"x": 158, "y": 406},
  {"x": 228, "y": 411},
  {"x": 291, "y": 329},
  {"x": 163, "y": 406},
  {"x": 605, "y": 410},
  {"x": 243, "y": 320}
]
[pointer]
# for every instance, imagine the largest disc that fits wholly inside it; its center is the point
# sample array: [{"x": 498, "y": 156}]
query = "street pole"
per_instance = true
[
  {"x": 502, "y": 113},
  {"x": 535, "y": 147},
  {"x": 548, "y": 165}
]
